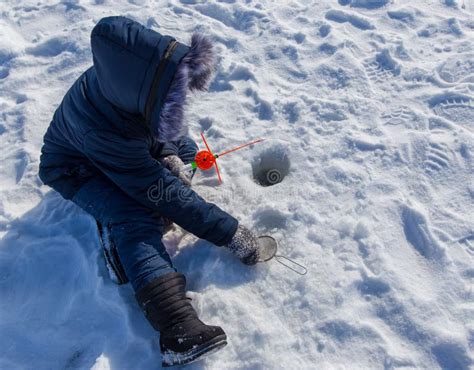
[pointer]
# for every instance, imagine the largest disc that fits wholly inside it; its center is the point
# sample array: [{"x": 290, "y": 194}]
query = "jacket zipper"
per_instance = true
[{"x": 151, "y": 101}]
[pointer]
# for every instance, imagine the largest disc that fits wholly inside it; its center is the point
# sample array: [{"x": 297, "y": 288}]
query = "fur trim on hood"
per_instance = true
[
  {"x": 194, "y": 73},
  {"x": 200, "y": 61},
  {"x": 171, "y": 123}
]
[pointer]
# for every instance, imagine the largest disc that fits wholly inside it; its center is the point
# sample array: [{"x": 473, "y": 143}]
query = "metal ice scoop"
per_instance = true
[{"x": 268, "y": 248}]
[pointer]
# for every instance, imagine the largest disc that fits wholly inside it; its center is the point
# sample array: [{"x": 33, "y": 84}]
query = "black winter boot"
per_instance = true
[{"x": 183, "y": 337}]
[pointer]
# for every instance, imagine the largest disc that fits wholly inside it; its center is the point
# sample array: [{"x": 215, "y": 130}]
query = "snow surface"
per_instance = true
[{"x": 368, "y": 111}]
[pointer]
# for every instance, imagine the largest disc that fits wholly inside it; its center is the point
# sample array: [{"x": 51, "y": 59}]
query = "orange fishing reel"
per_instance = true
[{"x": 205, "y": 159}]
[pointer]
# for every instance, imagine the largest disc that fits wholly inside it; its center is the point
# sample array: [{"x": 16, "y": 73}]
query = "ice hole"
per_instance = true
[{"x": 271, "y": 166}]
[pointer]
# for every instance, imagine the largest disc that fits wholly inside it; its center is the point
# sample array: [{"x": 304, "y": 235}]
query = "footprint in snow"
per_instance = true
[
  {"x": 467, "y": 242},
  {"x": 356, "y": 21},
  {"x": 239, "y": 19},
  {"x": 418, "y": 233},
  {"x": 437, "y": 157},
  {"x": 456, "y": 107},
  {"x": 324, "y": 29},
  {"x": 15, "y": 164},
  {"x": 434, "y": 158},
  {"x": 223, "y": 79},
  {"x": 269, "y": 219},
  {"x": 262, "y": 107},
  {"x": 52, "y": 47},
  {"x": 4, "y": 72},
  {"x": 448, "y": 354},
  {"x": 292, "y": 111},
  {"x": 327, "y": 48},
  {"x": 451, "y": 3},
  {"x": 383, "y": 67},
  {"x": 343, "y": 332},
  {"x": 328, "y": 111},
  {"x": 439, "y": 124},
  {"x": 394, "y": 314},
  {"x": 402, "y": 15},
  {"x": 365, "y": 4},
  {"x": 402, "y": 116},
  {"x": 451, "y": 355},
  {"x": 417, "y": 77},
  {"x": 365, "y": 144},
  {"x": 335, "y": 78},
  {"x": 205, "y": 123},
  {"x": 370, "y": 286},
  {"x": 291, "y": 52},
  {"x": 457, "y": 69},
  {"x": 449, "y": 26}
]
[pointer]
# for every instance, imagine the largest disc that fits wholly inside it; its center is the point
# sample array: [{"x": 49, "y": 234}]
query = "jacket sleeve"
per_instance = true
[
  {"x": 129, "y": 164},
  {"x": 185, "y": 148}
]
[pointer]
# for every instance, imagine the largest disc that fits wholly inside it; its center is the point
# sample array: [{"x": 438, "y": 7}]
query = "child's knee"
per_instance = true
[
  {"x": 130, "y": 214},
  {"x": 137, "y": 228}
]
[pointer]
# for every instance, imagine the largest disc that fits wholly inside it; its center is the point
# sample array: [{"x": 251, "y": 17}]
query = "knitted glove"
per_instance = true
[
  {"x": 176, "y": 166},
  {"x": 244, "y": 245}
]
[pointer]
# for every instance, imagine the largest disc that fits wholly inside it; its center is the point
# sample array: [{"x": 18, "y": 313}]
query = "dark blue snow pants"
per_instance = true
[{"x": 135, "y": 230}]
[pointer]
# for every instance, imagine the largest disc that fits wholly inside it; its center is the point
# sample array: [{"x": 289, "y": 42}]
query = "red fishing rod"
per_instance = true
[{"x": 206, "y": 159}]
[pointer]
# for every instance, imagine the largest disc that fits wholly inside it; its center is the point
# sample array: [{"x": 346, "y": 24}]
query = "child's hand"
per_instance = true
[
  {"x": 176, "y": 166},
  {"x": 244, "y": 245}
]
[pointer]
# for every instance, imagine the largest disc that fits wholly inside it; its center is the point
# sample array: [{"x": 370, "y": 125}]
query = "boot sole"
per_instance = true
[{"x": 171, "y": 358}]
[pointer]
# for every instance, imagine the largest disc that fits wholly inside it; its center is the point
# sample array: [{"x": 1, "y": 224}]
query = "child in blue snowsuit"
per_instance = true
[{"x": 115, "y": 147}]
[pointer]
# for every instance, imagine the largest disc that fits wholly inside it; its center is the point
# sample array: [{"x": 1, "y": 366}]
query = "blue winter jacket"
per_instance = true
[{"x": 103, "y": 126}]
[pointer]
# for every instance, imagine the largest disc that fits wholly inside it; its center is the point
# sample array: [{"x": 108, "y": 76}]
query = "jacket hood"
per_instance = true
[{"x": 148, "y": 74}]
